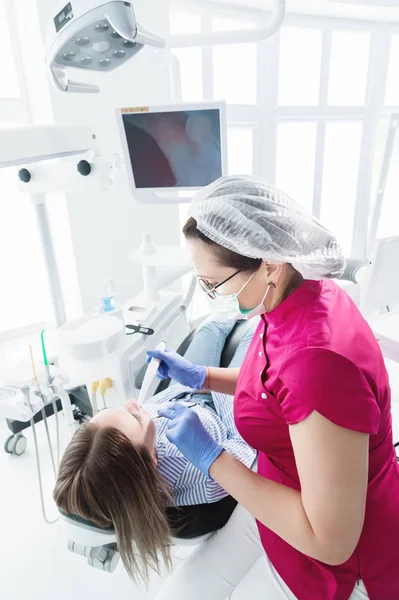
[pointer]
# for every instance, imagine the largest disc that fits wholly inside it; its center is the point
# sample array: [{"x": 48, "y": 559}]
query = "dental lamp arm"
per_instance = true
[
  {"x": 237, "y": 37},
  {"x": 148, "y": 39},
  {"x": 62, "y": 83}
]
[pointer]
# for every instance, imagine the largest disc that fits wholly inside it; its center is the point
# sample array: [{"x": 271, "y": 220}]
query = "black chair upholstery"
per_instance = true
[{"x": 86, "y": 523}]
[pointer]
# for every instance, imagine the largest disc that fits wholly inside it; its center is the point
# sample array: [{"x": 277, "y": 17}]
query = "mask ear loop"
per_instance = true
[
  {"x": 269, "y": 285},
  {"x": 245, "y": 284}
]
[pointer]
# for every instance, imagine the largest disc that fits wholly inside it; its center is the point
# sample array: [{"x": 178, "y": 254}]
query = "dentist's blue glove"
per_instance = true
[
  {"x": 186, "y": 431},
  {"x": 178, "y": 368}
]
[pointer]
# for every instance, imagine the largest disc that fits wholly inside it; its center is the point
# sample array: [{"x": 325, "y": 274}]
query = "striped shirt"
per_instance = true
[{"x": 188, "y": 485}]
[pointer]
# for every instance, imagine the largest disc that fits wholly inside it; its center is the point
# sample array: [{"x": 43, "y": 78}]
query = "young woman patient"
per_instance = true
[{"x": 120, "y": 470}]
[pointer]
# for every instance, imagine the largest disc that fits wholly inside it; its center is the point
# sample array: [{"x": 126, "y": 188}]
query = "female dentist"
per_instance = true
[{"x": 312, "y": 397}]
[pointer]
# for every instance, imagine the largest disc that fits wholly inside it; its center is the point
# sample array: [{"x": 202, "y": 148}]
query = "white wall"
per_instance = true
[{"x": 107, "y": 227}]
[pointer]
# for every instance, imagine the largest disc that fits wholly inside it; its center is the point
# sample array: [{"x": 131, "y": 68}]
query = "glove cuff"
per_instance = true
[
  {"x": 214, "y": 453},
  {"x": 200, "y": 377}
]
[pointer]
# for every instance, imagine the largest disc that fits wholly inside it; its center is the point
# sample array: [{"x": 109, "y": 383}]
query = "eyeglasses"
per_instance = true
[{"x": 210, "y": 290}]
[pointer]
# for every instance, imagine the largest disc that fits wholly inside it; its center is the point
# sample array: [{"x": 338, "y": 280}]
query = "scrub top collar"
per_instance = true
[{"x": 303, "y": 295}]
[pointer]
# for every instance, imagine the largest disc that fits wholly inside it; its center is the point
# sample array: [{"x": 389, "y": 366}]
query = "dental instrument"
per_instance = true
[
  {"x": 105, "y": 385},
  {"x": 26, "y": 392},
  {"x": 188, "y": 406},
  {"x": 46, "y": 365},
  {"x": 58, "y": 392},
  {"x": 94, "y": 388},
  {"x": 30, "y": 405},
  {"x": 150, "y": 375},
  {"x": 153, "y": 366},
  {"x": 93, "y": 36},
  {"x": 39, "y": 393},
  {"x": 139, "y": 329}
]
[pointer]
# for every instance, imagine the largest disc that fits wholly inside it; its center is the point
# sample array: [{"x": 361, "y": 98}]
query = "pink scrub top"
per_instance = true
[{"x": 316, "y": 352}]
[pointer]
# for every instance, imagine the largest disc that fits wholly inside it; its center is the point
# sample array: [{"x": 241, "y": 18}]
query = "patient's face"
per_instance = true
[{"x": 132, "y": 421}]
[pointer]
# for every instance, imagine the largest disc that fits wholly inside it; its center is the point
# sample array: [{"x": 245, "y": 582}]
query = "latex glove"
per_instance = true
[
  {"x": 186, "y": 431},
  {"x": 178, "y": 368}
]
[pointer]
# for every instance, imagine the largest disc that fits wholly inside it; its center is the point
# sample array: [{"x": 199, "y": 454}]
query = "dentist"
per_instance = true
[{"x": 312, "y": 397}]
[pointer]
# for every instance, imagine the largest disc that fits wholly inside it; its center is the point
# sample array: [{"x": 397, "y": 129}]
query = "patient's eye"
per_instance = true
[{"x": 138, "y": 418}]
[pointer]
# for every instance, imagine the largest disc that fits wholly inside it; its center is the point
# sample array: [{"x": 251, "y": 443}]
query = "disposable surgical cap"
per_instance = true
[{"x": 256, "y": 220}]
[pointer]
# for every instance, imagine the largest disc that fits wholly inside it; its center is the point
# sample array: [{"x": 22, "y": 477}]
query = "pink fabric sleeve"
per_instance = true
[{"x": 321, "y": 380}]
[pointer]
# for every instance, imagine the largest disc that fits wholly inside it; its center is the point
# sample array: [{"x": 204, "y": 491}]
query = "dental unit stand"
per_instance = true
[
  {"x": 158, "y": 308},
  {"x": 32, "y": 403},
  {"x": 102, "y": 355}
]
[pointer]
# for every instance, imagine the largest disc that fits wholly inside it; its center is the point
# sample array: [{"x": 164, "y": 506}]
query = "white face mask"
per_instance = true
[{"x": 230, "y": 306}]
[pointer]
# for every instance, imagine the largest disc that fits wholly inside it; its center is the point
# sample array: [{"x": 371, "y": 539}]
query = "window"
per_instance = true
[
  {"x": 389, "y": 222},
  {"x": 190, "y": 60},
  {"x": 310, "y": 143},
  {"x": 25, "y": 297},
  {"x": 240, "y": 150},
  {"x": 348, "y": 68},
  {"x": 296, "y": 150},
  {"x": 235, "y": 73},
  {"x": 9, "y": 87},
  {"x": 183, "y": 22},
  {"x": 229, "y": 24},
  {"x": 299, "y": 70},
  {"x": 341, "y": 167},
  {"x": 392, "y": 90},
  {"x": 57, "y": 211}
]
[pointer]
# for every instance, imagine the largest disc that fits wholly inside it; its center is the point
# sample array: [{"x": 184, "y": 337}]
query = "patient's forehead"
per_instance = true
[{"x": 120, "y": 419}]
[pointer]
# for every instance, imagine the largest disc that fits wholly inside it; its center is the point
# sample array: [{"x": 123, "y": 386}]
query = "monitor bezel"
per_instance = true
[{"x": 219, "y": 105}]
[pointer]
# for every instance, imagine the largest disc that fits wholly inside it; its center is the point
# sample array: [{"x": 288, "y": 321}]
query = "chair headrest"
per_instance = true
[{"x": 86, "y": 523}]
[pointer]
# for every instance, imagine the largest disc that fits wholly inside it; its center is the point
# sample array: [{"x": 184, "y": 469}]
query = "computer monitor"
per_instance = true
[{"x": 174, "y": 148}]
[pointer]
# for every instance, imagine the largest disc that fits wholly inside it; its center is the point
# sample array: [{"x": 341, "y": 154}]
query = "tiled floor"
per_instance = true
[{"x": 34, "y": 561}]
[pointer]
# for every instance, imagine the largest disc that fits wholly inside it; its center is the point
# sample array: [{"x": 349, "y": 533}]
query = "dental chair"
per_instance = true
[
  {"x": 99, "y": 545},
  {"x": 380, "y": 297}
]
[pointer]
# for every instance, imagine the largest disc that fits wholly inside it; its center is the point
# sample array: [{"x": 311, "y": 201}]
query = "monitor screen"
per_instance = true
[{"x": 174, "y": 148}]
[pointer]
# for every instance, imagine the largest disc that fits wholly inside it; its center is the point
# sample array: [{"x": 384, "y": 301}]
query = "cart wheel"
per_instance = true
[
  {"x": 19, "y": 445},
  {"x": 15, "y": 444},
  {"x": 9, "y": 444}
]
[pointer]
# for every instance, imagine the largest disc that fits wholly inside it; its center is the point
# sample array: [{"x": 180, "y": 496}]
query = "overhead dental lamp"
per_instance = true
[{"x": 93, "y": 35}]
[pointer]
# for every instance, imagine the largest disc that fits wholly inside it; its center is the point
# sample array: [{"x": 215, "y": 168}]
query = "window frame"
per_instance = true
[
  {"x": 21, "y": 111},
  {"x": 15, "y": 109},
  {"x": 267, "y": 114}
]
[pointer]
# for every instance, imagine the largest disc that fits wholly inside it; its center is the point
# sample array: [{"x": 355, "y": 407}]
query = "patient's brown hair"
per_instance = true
[{"x": 105, "y": 479}]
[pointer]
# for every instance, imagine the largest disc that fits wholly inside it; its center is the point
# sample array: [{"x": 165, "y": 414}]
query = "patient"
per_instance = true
[{"x": 120, "y": 470}]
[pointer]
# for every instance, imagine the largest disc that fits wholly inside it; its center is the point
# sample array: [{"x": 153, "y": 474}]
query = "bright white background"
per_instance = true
[
  {"x": 303, "y": 106},
  {"x": 303, "y": 112}
]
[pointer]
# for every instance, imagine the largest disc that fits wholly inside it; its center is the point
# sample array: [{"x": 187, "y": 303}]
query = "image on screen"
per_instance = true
[{"x": 179, "y": 149}]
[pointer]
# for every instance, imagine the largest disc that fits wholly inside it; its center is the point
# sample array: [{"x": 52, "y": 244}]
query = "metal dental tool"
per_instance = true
[
  {"x": 188, "y": 406},
  {"x": 26, "y": 392}
]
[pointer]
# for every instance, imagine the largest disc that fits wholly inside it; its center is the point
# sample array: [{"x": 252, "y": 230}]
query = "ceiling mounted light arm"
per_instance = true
[
  {"x": 93, "y": 35},
  {"x": 243, "y": 36},
  {"x": 59, "y": 77}
]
